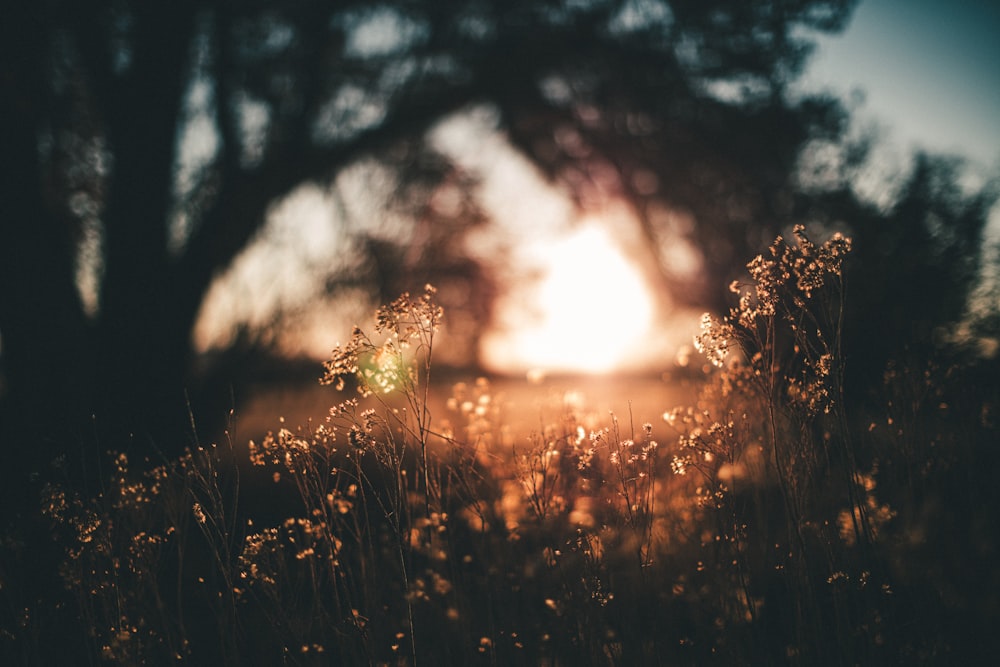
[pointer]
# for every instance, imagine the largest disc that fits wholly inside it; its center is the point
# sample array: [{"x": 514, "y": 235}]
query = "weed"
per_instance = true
[{"x": 765, "y": 527}]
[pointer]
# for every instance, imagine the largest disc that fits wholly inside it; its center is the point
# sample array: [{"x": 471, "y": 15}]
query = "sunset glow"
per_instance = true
[{"x": 589, "y": 312}]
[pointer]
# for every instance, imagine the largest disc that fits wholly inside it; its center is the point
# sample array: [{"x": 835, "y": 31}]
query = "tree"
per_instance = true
[
  {"x": 919, "y": 261},
  {"x": 100, "y": 95}
]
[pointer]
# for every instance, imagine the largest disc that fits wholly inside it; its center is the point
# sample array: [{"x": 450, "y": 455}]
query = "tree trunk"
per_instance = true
[{"x": 45, "y": 332}]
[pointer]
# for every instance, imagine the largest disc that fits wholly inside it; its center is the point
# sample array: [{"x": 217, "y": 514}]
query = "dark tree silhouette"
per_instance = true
[
  {"x": 98, "y": 97},
  {"x": 682, "y": 108},
  {"x": 918, "y": 261},
  {"x": 690, "y": 118}
]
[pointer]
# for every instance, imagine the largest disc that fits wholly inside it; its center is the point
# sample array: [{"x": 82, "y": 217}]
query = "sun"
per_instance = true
[{"x": 591, "y": 311}]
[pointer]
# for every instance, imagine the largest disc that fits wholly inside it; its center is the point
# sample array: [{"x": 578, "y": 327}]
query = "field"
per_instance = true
[
  {"x": 748, "y": 512},
  {"x": 525, "y": 404}
]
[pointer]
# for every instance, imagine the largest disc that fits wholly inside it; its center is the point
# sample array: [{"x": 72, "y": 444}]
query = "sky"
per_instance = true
[{"x": 929, "y": 71}]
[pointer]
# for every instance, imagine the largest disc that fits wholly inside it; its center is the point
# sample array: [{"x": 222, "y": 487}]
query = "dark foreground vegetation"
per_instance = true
[{"x": 778, "y": 519}]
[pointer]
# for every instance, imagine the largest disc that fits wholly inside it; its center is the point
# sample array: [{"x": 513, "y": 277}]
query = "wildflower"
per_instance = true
[
  {"x": 713, "y": 341},
  {"x": 357, "y": 438},
  {"x": 679, "y": 464}
]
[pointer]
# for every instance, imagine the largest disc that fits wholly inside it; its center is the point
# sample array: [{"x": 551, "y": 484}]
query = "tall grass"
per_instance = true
[{"x": 769, "y": 522}]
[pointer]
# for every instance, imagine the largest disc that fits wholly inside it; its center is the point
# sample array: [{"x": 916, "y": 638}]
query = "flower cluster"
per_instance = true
[
  {"x": 381, "y": 367},
  {"x": 785, "y": 335},
  {"x": 706, "y": 444},
  {"x": 798, "y": 271},
  {"x": 783, "y": 281},
  {"x": 714, "y": 340},
  {"x": 811, "y": 390}
]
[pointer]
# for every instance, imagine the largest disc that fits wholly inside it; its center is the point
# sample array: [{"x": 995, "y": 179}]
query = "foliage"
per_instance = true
[
  {"x": 768, "y": 525},
  {"x": 145, "y": 144}
]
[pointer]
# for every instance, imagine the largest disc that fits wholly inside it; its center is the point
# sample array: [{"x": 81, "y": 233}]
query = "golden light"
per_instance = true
[{"x": 590, "y": 312}]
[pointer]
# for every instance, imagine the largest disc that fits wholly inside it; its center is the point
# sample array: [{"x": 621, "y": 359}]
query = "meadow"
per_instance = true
[{"x": 750, "y": 512}]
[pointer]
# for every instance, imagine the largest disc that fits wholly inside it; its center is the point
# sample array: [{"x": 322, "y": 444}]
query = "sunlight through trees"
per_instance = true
[{"x": 590, "y": 309}]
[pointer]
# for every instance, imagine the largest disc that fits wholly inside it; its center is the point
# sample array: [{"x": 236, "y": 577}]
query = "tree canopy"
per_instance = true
[{"x": 680, "y": 107}]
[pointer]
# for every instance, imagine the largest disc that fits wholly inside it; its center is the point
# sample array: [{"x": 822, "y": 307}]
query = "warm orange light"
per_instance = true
[{"x": 590, "y": 312}]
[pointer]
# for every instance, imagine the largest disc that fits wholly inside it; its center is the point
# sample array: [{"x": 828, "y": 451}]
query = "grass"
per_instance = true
[{"x": 772, "y": 521}]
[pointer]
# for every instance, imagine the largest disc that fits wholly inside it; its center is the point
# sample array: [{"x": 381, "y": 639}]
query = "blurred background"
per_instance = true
[{"x": 202, "y": 197}]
